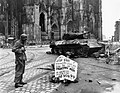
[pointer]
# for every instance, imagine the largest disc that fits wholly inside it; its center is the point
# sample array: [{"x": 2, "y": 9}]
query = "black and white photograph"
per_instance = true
[{"x": 59, "y": 46}]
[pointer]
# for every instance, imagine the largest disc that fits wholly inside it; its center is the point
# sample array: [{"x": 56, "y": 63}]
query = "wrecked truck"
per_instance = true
[{"x": 77, "y": 44}]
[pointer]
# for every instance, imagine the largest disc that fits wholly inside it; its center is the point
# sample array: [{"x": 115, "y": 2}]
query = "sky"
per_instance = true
[{"x": 110, "y": 14}]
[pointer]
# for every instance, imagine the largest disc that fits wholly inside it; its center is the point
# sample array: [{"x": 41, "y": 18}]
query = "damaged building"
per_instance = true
[{"x": 45, "y": 20}]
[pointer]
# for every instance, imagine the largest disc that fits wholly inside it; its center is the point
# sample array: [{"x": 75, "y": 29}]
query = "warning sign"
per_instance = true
[{"x": 65, "y": 68}]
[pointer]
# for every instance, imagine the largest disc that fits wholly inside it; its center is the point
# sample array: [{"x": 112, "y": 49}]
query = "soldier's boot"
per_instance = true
[
  {"x": 23, "y": 83},
  {"x": 18, "y": 85}
]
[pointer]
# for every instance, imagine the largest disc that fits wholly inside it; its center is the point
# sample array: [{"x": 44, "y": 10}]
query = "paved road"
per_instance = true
[{"x": 38, "y": 79}]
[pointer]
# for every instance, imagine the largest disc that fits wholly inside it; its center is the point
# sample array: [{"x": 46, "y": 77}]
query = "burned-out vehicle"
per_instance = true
[{"x": 77, "y": 44}]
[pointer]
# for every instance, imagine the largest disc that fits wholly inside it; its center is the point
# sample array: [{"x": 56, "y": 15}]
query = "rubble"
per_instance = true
[
  {"x": 104, "y": 83},
  {"x": 66, "y": 82},
  {"x": 114, "y": 79},
  {"x": 90, "y": 80},
  {"x": 54, "y": 79}
]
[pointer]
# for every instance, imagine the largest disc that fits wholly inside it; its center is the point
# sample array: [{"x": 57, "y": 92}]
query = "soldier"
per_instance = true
[{"x": 20, "y": 58}]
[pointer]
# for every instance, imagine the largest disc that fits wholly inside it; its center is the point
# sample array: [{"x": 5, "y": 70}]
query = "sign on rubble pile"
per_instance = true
[{"x": 65, "y": 68}]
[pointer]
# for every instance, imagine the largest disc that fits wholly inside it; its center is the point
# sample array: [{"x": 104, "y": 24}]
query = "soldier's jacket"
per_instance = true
[{"x": 17, "y": 49}]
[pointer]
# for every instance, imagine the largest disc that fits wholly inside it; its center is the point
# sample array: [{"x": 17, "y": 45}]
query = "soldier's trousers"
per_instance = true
[{"x": 19, "y": 70}]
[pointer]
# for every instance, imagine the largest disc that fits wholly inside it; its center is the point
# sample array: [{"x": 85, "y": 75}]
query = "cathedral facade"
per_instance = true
[{"x": 45, "y": 20}]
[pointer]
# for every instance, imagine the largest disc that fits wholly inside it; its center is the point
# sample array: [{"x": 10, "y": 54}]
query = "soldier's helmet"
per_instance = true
[{"x": 23, "y": 37}]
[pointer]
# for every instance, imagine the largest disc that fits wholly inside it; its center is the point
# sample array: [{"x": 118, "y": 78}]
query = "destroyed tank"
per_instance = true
[{"x": 77, "y": 44}]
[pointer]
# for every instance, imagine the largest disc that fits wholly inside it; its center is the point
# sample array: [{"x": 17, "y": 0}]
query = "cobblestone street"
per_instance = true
[{"x": 37, "y": 79}]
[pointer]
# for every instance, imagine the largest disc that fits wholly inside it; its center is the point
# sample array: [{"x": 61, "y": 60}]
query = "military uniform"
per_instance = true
[
  {"x": 20, "y": 58},
  {"x": 19, "y": 61}
]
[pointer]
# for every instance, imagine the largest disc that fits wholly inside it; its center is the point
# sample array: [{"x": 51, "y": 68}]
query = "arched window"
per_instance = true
[{"x": 42, "y": 22}]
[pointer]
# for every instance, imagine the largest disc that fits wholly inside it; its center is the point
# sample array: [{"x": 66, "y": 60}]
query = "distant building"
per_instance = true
[
  {"x": 117, "y": 31},
  {"x": 104, "y": 37}
]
